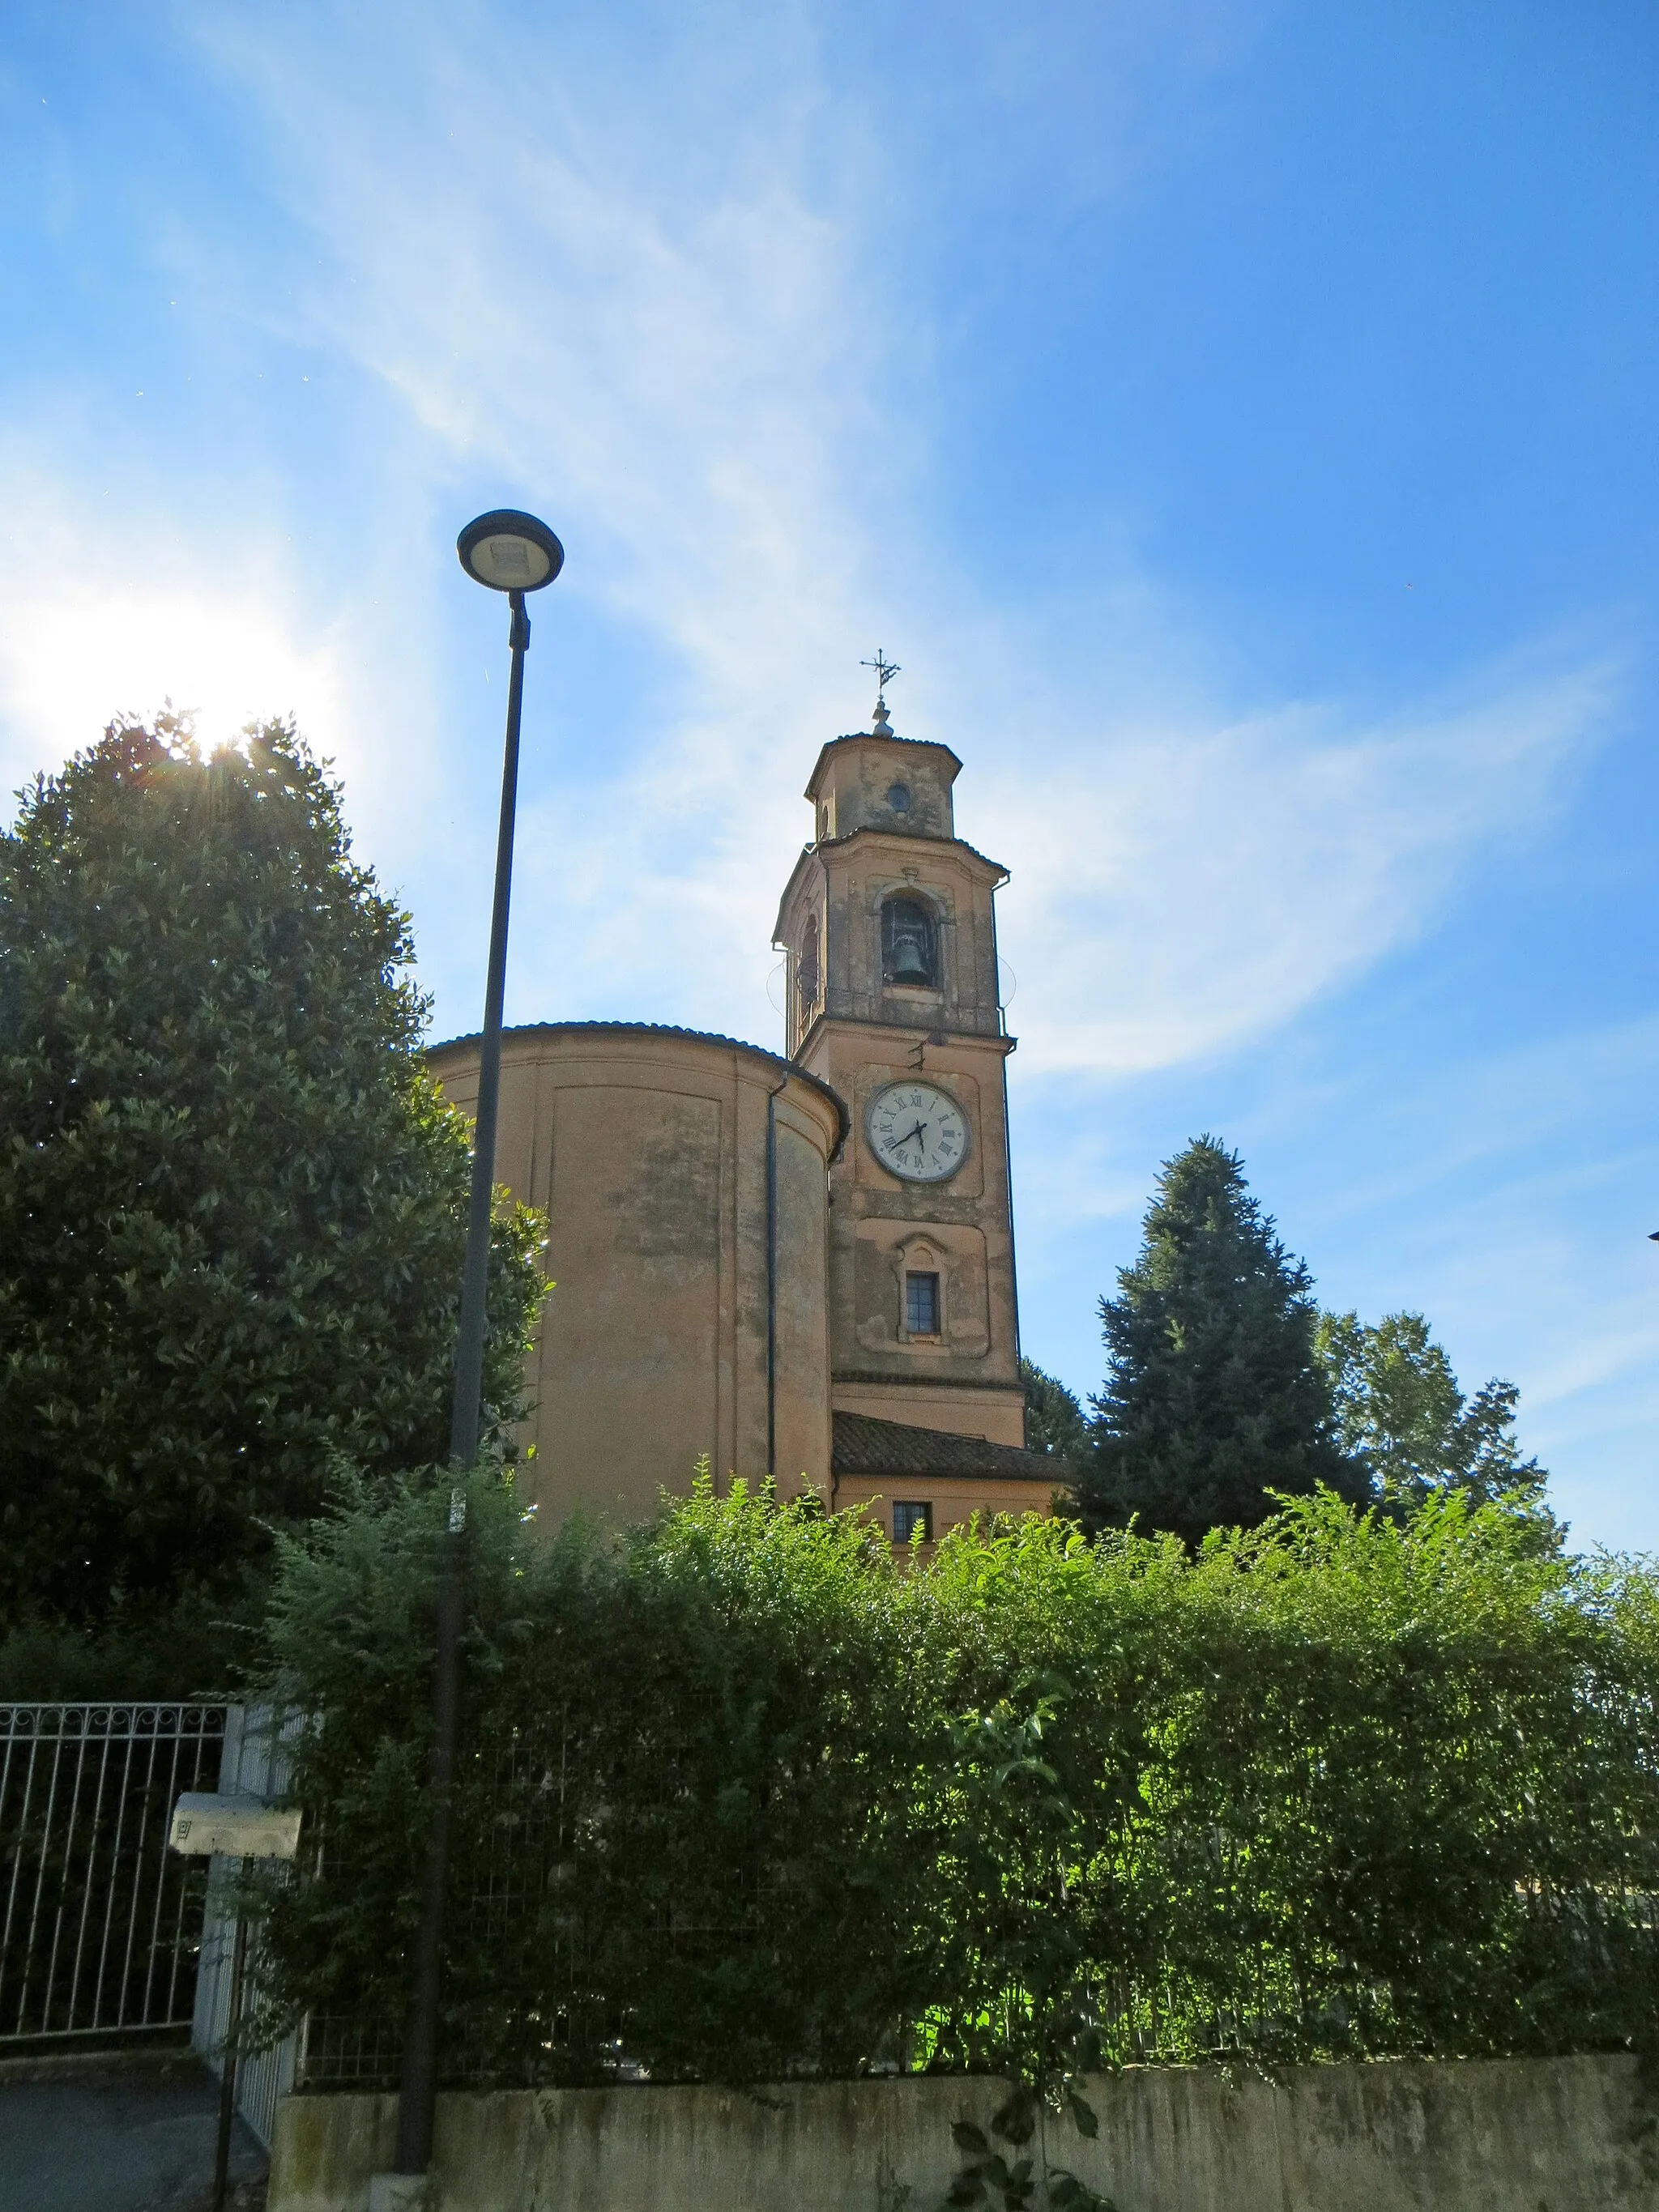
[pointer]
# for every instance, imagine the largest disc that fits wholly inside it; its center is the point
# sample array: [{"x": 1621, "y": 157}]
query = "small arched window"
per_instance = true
[
  {"x": 806, "y": 970},
  {"x": 909, "y": 943}
]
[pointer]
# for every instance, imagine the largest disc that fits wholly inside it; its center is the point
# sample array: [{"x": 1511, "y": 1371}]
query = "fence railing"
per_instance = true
[{"x": 99, "y": 1923}]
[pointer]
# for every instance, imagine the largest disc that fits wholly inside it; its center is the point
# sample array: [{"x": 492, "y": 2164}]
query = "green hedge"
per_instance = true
[{"x": 741, "y": 1798}]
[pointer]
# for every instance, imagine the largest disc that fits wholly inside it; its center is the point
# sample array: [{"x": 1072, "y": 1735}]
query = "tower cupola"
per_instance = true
[{"x": 876, "y": 779}]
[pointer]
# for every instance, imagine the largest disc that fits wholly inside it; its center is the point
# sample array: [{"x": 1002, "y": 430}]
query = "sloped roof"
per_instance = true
[{"x": 864, "y": 1445}]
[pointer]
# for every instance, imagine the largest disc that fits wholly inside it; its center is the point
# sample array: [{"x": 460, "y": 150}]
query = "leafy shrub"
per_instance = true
[
  {"x": 739, "y": 1798},
  {"x": 681, "y": 1755}
]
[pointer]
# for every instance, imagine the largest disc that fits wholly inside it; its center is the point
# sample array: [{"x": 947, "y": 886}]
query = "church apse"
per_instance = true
[{"x": 683, "y": 1177}]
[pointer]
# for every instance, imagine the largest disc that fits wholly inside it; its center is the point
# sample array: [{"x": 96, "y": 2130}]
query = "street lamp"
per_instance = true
[
  {"x": 515, "y": 554},
  {"x": 512, "y": 553}
]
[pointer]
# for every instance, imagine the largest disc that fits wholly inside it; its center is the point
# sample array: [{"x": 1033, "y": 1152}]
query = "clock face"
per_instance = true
[{"x": 917, "y": 1131}]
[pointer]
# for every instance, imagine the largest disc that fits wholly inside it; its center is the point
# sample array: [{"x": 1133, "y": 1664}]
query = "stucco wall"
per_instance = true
[
  {"x": 647, "y": 1149},
  {"x": 1512, "y": 2135},
  {"x": 953, "y": 1498},
  {"x": 968, "y": 1381}
]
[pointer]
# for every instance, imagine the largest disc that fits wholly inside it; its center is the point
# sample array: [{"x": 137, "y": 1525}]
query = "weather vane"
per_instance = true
[{"x": 886, "y": 671}]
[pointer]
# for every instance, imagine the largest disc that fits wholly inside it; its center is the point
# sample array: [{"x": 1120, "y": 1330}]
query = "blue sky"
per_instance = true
[{"x": 1239, "y": 420}]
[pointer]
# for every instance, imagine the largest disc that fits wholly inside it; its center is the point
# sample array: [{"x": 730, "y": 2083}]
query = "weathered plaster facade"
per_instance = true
[
  {"x": 886, "y": 830},
  {"x": 647, "y": 1149}
]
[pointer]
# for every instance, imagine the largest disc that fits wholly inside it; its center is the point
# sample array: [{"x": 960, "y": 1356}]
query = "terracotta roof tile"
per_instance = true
[{"x": 864, "y": 1445}]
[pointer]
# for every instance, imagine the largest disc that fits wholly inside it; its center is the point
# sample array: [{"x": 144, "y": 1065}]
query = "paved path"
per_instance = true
[{"x": 117, "y": 2134}]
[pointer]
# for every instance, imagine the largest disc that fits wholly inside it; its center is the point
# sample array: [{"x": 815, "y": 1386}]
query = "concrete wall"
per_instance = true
[
  {"x": 1510, "y": 2136},
  {"x": 647, "y": 1149}
]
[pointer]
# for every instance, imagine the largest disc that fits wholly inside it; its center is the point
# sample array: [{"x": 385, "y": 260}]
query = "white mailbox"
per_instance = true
[{"x": 241, "y": 1827}]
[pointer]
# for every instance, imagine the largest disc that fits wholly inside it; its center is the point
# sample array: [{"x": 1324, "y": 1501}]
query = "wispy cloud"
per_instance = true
[
  {"x": 1183, "y": 889},
  {"x": 649, "y": 297},
  {"x": 552, "y": 288}
]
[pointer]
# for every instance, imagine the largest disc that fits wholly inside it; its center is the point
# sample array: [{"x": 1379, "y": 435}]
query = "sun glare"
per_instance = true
[{"x": 62, "y": 677}]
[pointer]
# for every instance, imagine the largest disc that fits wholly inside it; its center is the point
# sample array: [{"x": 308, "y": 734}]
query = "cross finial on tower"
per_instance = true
[{"x": 886, "y": 671}]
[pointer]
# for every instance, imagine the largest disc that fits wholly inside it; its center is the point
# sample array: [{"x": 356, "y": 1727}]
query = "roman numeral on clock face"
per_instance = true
[{"x": 917, "y": 1131}]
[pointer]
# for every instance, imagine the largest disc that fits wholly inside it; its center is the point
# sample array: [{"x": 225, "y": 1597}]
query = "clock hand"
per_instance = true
[{"x": 918, "y": 1131}]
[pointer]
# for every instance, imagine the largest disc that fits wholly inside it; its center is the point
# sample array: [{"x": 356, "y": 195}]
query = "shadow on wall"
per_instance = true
[{"x": 1576, "y": 2135}]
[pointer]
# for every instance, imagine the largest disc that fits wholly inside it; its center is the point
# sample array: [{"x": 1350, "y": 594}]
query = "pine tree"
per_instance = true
[{"x": 1215, "y": 1394}]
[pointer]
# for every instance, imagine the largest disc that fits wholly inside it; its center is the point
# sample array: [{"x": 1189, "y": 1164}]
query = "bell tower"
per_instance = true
[{"x": 889, "y": 936}]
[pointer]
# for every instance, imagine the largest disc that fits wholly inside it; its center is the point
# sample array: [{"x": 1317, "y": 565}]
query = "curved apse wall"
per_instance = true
[{"x": 649, "y": 1149}]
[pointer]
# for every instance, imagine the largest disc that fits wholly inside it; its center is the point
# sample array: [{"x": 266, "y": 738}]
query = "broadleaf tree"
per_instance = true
[
  {"x": 232, "y": 1202},
  {"x": 1055, "y": 1419},
  {"x": 1215, "y": 1395},
  {"x": 1399, "y": 1410}
]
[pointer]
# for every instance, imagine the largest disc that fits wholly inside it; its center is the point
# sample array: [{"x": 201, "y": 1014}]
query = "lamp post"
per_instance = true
[{"x": 512, "y": 553}]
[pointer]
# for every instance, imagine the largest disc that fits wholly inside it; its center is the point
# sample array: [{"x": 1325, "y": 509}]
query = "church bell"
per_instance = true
[{"x": 910, "y": 963}]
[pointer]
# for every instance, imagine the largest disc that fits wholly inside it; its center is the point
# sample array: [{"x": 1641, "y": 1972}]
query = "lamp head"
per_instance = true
[{"x": 510, "y": 551}]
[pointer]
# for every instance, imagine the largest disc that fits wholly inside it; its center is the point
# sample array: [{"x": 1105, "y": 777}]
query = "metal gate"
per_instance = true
[{"x": 99, "y": 1923}]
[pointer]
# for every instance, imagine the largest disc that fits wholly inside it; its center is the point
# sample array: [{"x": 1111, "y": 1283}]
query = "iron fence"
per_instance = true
[{"x": 99, "y": 1923}]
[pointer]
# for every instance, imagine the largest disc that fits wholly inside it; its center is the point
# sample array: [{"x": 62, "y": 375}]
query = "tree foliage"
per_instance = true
[
  {"x": 1399, "y": 1412},
  {"x": 676, "y": 1745},
  {"x": 1215, "y": 1396},
  {"x": 232, "y": 1205},
  {"x": 1055, "y": 1421},
  {"x": 739, "y": 1799}
]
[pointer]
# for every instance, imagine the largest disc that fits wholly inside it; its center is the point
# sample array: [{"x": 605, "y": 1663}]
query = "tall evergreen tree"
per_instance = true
[
  {"x": 1214, "y": 1393},
  {"x": 232, "y": 1202}
]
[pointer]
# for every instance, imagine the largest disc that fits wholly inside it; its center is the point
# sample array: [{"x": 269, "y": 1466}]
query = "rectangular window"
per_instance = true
[
  {"x": 921, "y": 1304},
  {"x": 913, "y": 1521}
]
